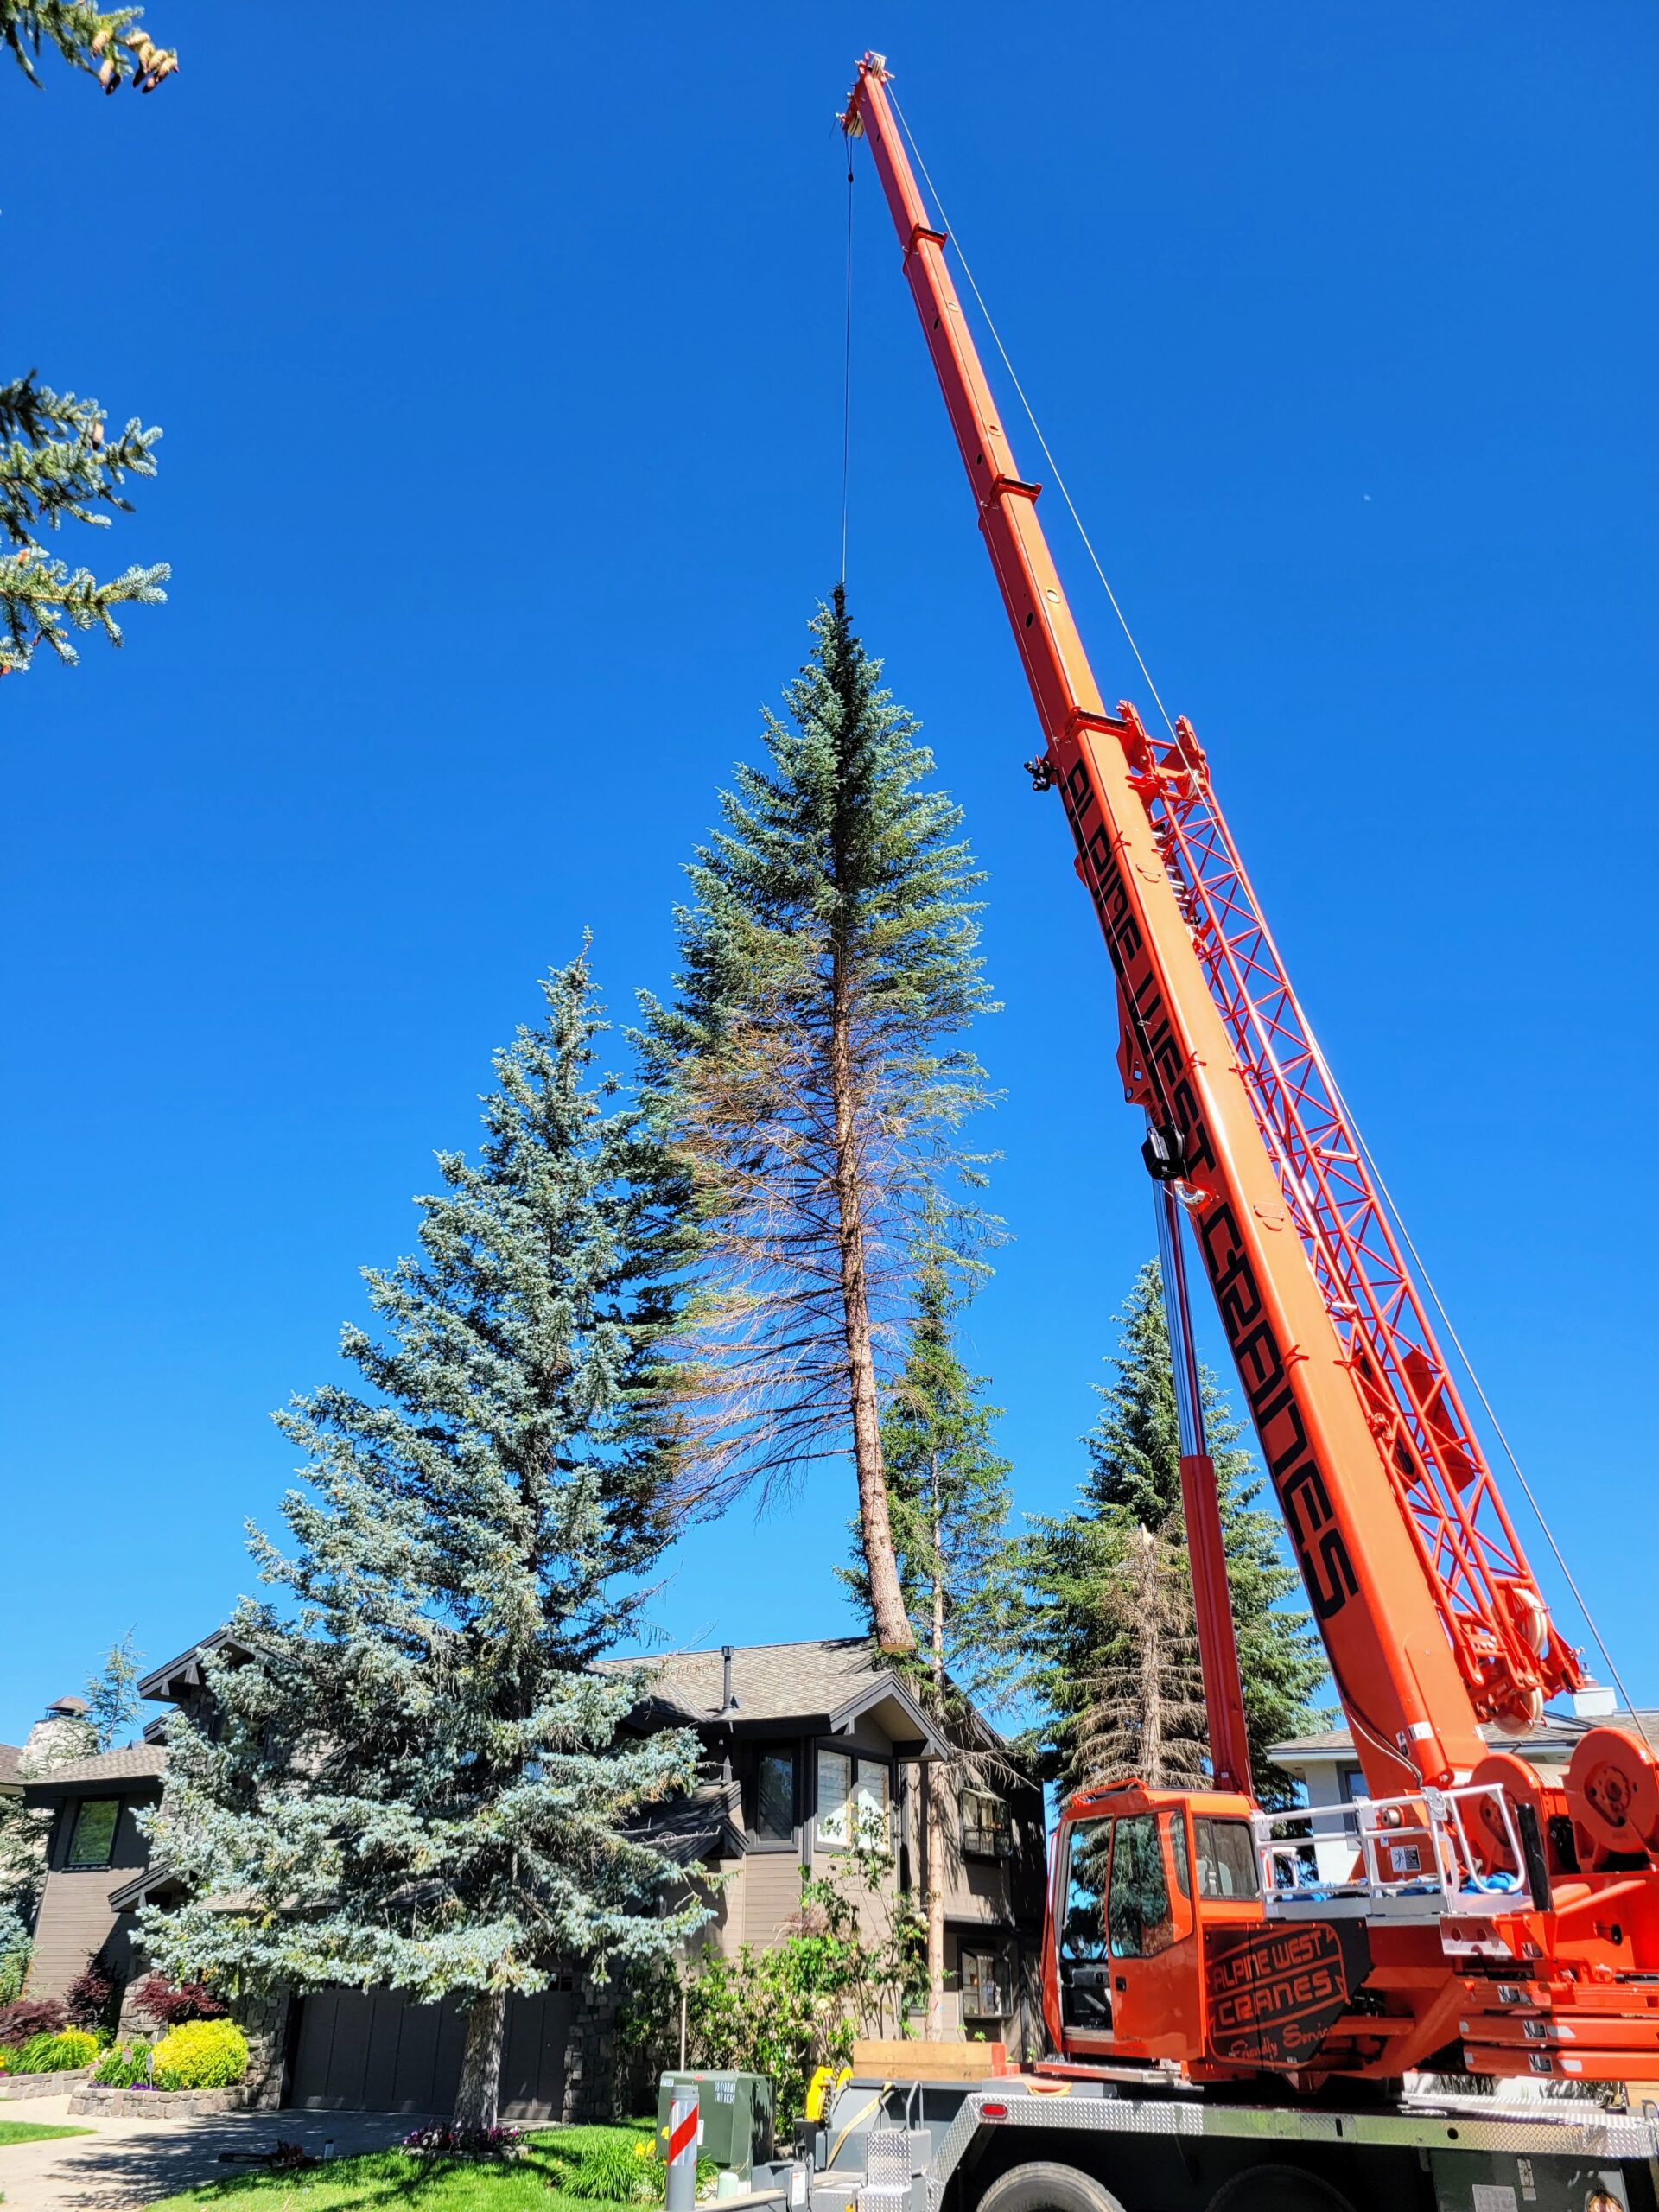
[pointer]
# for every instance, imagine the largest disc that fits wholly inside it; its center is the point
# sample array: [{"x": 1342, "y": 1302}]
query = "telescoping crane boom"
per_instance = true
[{"x": 1494, "y": 1904}]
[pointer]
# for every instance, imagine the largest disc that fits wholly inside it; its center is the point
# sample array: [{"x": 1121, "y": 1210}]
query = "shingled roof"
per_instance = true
[
  {"x": 136, "y": 1762},
  {"x": 825, "y": 1683},
  {"x": 1554, "y": 1737}
]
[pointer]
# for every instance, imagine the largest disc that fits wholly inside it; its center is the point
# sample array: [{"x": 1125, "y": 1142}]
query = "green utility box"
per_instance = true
[{"x": 734, "y": 2113}]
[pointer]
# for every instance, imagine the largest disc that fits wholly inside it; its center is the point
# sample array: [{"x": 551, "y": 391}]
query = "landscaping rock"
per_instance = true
[
  {"x": 41, "y": 2085},
  {"x": 157, "y": 2103}
]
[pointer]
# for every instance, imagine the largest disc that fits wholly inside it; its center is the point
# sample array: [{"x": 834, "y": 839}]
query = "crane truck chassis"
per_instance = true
[{"x": 1041, "y": 2143}]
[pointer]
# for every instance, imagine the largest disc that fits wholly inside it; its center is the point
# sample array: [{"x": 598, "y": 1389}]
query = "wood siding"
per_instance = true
[{"x": 76, "y": 1923}]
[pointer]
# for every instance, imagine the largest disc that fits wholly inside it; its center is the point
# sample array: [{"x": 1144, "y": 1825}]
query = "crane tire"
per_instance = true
[
  {"x": 1277, "y": 2189},
  {"x": 1043, "y": 2185}
]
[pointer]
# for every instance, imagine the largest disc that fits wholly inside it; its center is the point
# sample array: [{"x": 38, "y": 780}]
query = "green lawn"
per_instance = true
[
  {"x": 383, "y": 2180},
  {"x": 32, "y": 2131}
]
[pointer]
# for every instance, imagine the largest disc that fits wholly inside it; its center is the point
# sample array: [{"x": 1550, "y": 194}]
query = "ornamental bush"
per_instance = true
[
  {"x": 30, "y": 2016},
  {"x": 123, "y": 2066},
  {"x": 200, "y": 2054},
  {"x": 58, "y": 2054},
  {"x": 616, "y": 2171},
  {"x": 169, "y": 2007}
]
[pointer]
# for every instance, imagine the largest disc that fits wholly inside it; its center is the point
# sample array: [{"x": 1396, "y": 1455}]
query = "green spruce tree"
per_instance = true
[
  {"x": 814, "y": 1064},
  {"x": 1082, "y": 1637},
  {"x": 108, "y": 43},
  {"x": 947, "y": 1496},
  {"x": 421, "y": 1782},
  {"x": 55, "y": 459},
  {"x": 112, "y": 1694}
]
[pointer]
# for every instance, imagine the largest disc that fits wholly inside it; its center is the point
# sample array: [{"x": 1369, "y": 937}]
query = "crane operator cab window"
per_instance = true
[
  {"x": 1139, "y": 1917},
  {"x": 1085, "y": 1972}
]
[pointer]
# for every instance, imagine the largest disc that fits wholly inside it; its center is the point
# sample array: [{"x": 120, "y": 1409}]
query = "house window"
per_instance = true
[
  {"x": 853, "y": 1807},
  {"x": 775, "y": 1797},
  {"x": 983, "y": 1979},
  {"x": 986, "y": 1831},
  {"x": 92, "y": 1841}
]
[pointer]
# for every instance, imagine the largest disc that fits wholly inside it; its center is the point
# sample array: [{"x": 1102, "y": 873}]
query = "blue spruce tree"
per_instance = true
[{"x": 419, "y": 1781}]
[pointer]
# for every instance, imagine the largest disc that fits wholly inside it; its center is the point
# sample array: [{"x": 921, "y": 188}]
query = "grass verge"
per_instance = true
[
  {"x": 387, "y": 2181},
  {"x": 35, "y": 2130}
]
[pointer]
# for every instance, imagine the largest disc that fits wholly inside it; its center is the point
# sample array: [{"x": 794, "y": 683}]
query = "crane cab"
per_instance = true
[{"x": 1147, "y": 1889}]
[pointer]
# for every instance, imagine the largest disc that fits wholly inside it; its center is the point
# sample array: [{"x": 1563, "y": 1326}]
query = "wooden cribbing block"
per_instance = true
[{"x": 929, "y": 2061}]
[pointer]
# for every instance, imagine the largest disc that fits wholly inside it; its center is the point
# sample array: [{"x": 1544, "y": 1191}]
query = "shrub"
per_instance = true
[
  {"x": 200, "y": 2054},
  {"x": 54, "y": 2054},
  {"x": 616, "y": 2171},
  {"x": 30, "y": 2016},
  {"x": 451, "y": 2142},
  {"x": 15, "y": 1950},
  {"x": 124, "y": 2066},
  {"x": 169, "y": 2007},
  {"x": 93, "y": 1999}
]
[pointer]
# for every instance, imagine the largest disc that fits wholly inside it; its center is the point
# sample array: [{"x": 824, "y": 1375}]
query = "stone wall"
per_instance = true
[
  {"x": 263, "y": 2020},
  {"x": 590, "y": 2053}
]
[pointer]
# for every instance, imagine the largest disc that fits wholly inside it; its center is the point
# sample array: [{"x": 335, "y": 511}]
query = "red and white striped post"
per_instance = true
[{"x": 682, "y": 2130}]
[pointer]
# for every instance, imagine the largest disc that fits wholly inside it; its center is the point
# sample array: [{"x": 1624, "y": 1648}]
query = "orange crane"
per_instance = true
[{"x": 1500, "y": 1917}]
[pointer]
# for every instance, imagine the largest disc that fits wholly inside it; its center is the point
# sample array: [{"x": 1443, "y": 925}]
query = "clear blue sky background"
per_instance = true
[{"x": 500, "y": 373}]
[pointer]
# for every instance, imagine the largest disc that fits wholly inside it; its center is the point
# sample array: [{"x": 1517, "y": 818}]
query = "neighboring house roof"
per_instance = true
[
  {"x": 1555, "y": 1735},
  {"x": 688, "y": 1828},
  {"x": 85, "y": 1777},
  {"x": 165, "y": 1683},
  {"x": 9, "y": 1755},
  {"x": 826, "y": 1683}
]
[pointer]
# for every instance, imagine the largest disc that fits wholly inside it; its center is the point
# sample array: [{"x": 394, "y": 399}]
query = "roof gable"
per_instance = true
[{"x": 829, "y": 1683}]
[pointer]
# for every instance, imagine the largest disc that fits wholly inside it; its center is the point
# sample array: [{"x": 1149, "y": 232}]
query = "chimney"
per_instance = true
[
  {"x": 1594, "y": 1701},
  {"x": 728, "y": 1702}
]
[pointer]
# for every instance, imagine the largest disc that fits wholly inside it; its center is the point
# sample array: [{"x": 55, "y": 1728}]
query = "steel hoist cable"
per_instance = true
[{"x": 1527, "y": 1492}]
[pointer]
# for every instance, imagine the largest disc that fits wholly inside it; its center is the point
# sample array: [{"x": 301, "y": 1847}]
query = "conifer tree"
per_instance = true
[
  {"x": 1080, "y": 1628},
  {"x": 112, "y": 1694},
  {"x": 814, "y": 1066},
  {"x": 108, "y": 43},
  {"x": 55, "y": 459},
  {"x": 948, "y": 1494},
  {"x": 420, "y": 1782}
]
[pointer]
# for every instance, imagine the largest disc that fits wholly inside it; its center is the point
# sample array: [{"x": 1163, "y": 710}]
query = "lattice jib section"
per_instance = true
[{"x": 1510, "y": 1656}]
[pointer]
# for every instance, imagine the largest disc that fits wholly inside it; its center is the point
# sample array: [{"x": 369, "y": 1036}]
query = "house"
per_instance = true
[
  {"x": 805, "y": 1746},
  {"x": 1328, "y": 1768}
]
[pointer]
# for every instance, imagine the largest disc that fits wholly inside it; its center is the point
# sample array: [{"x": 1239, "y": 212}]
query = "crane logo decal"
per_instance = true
[
  {"x": 1273, "y": 1994},
  {"x": 1321, "y": 1551}
]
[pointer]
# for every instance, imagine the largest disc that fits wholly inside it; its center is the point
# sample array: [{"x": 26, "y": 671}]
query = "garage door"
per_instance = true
[{"x": 370, "y": 2051}]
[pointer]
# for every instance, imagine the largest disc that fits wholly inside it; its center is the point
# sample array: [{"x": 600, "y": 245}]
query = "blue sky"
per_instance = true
[{"x": 501, "y": 386}]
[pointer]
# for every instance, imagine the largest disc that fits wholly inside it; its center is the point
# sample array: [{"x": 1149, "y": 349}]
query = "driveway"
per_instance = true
[{"x": 125, "y": 2162}]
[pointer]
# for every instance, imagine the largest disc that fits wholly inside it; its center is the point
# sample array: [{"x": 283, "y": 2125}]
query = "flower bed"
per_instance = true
[
  {"x": 41, "y": 2085},
  {"x": 154, "y": 2104}
]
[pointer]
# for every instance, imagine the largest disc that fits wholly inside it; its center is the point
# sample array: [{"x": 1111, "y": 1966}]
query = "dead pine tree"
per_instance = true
[
  {"x": 812, "y": 1070},
  {"x": 1142, "y": 1712},
  {"x": 949, "y": 1496}
]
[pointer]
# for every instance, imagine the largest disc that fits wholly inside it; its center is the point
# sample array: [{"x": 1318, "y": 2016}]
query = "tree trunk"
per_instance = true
[
  {"x": 937, "y": 1792},
  {"x": 478, "y": 2099},
  {"x": 1152, "y": 1667},
  {"x": 892, "y": 1628}
]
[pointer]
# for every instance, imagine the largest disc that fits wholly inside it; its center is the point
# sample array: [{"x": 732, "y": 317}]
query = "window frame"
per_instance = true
[
  {"x": 856, "y": 1761},
  {"x": 82, "y": 1806},
  {"x": 791, "y": 1751},
  {"x": 1001, "y": 1845},
  {"x": 999, "y": 1977}
]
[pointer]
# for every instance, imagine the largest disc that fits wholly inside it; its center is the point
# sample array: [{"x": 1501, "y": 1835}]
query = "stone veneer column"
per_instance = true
[{"x": 590, "y": 2051}]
